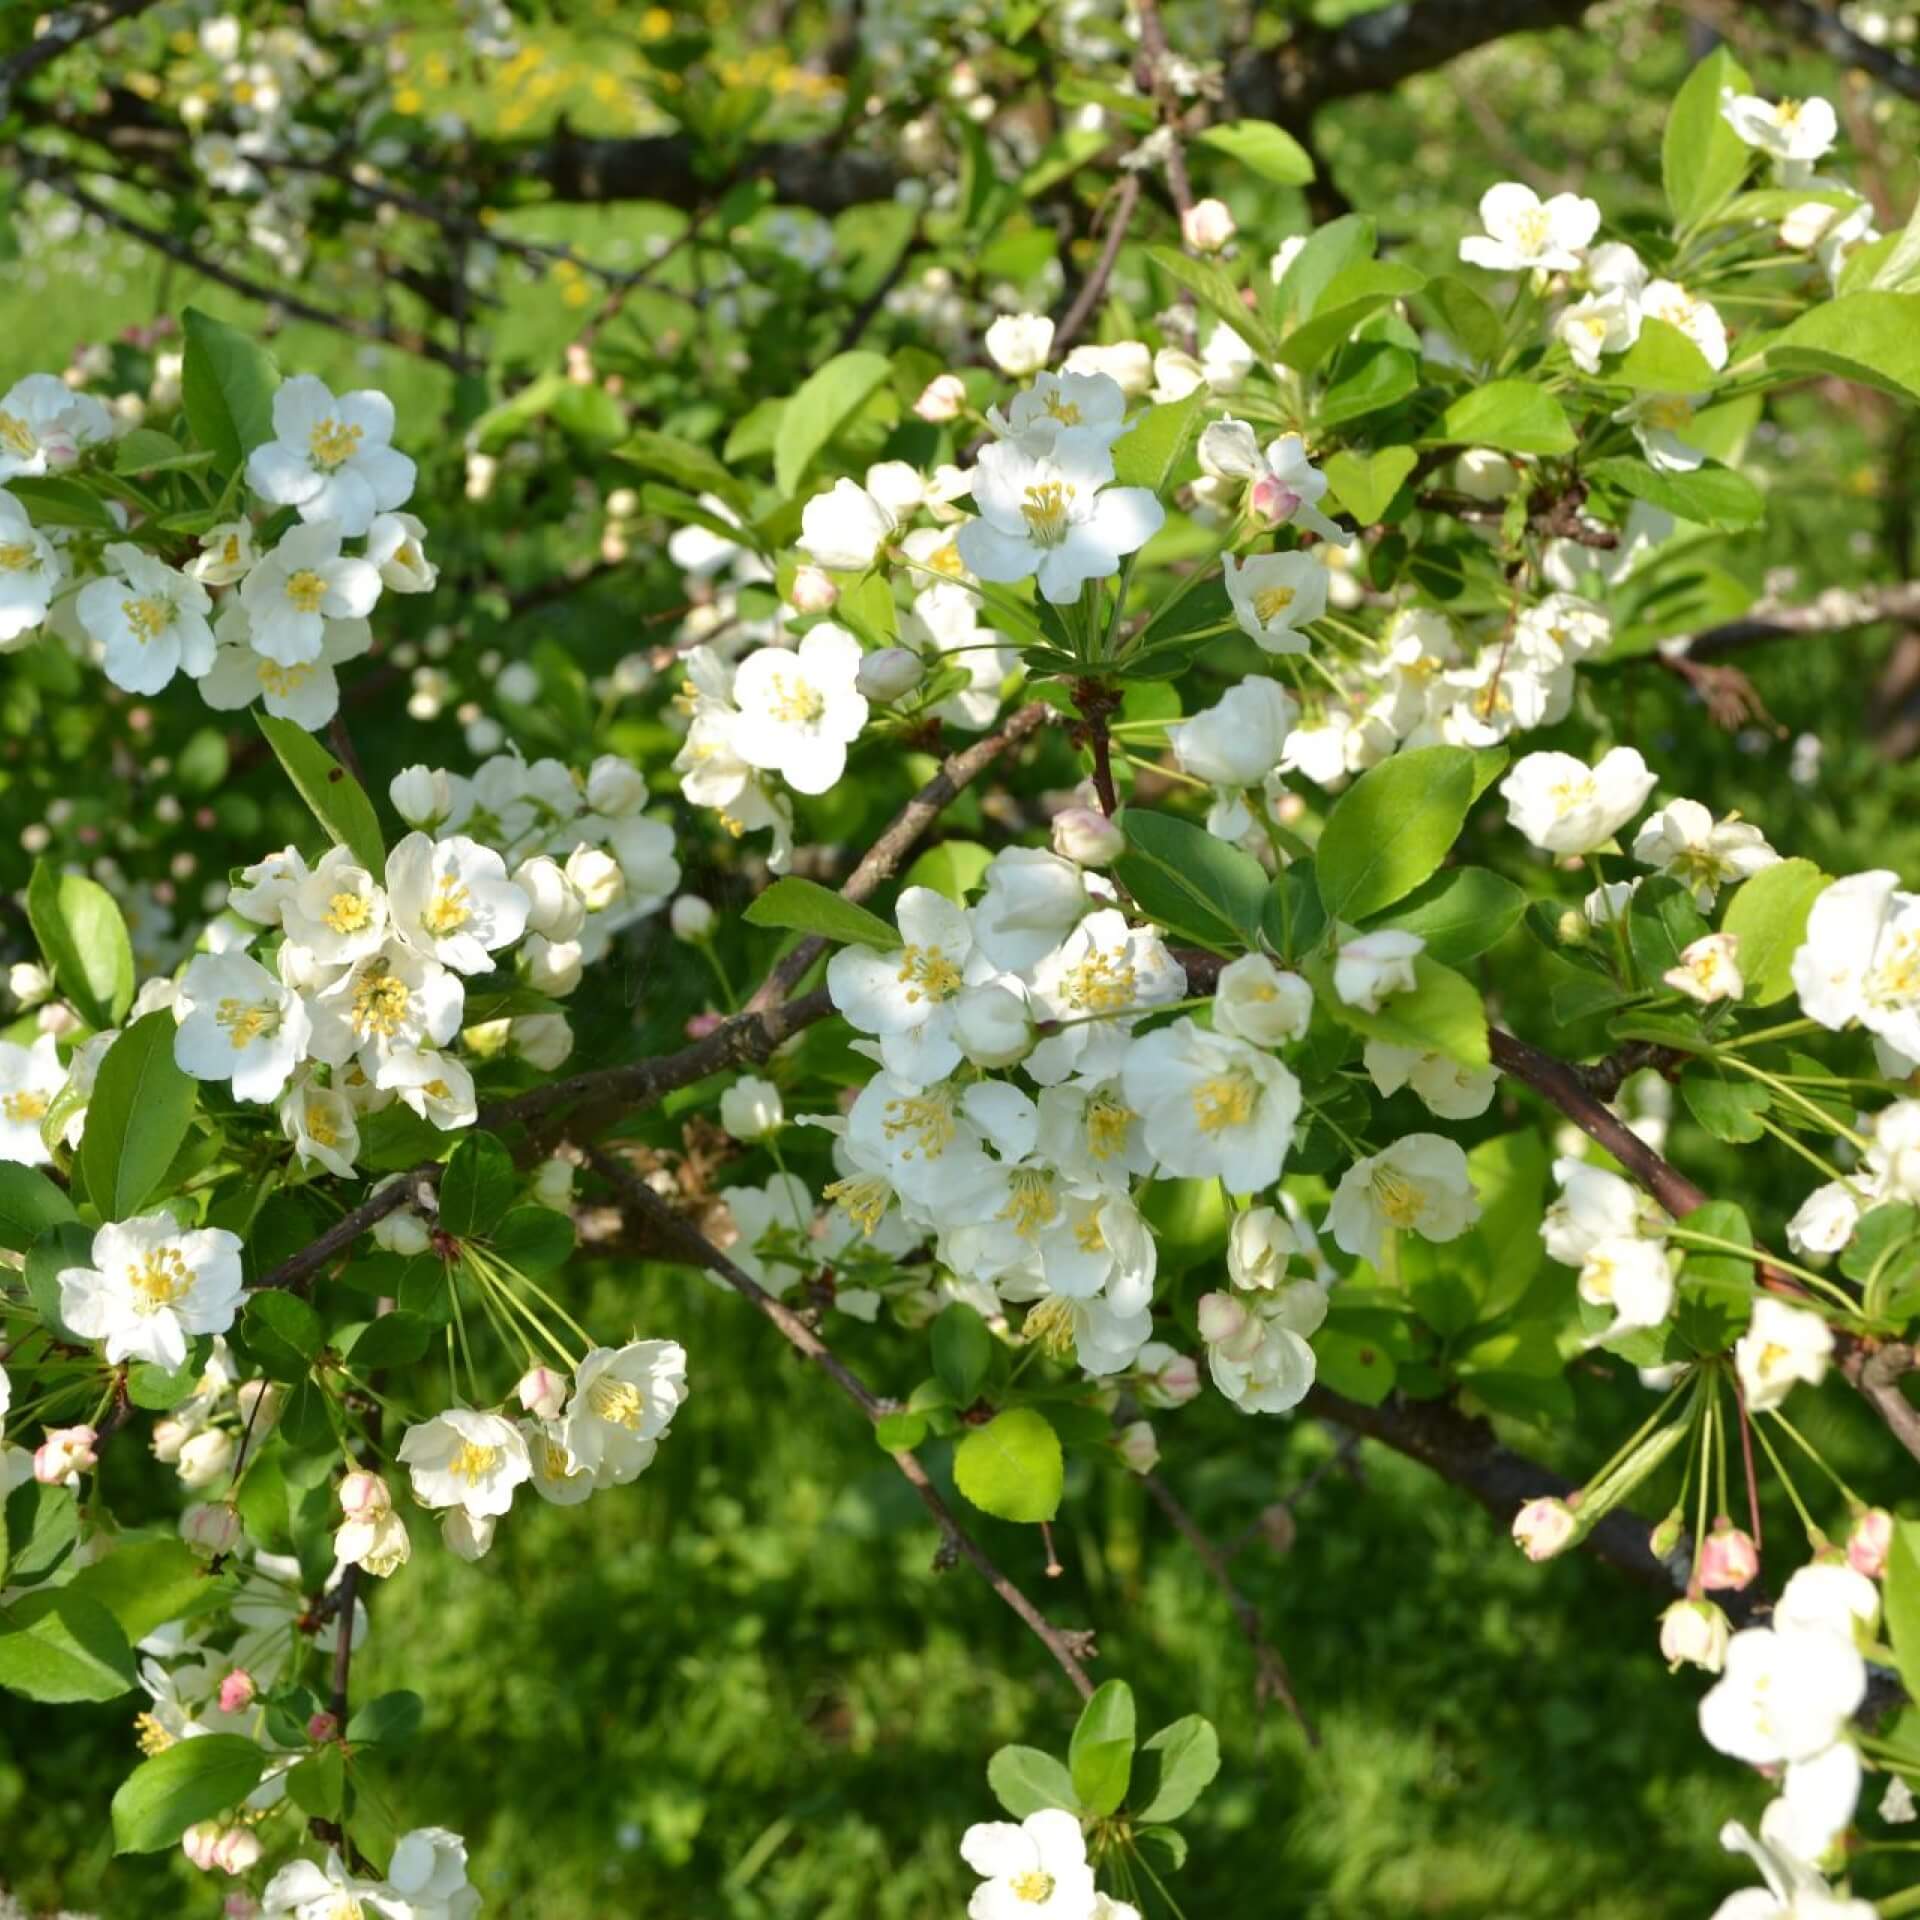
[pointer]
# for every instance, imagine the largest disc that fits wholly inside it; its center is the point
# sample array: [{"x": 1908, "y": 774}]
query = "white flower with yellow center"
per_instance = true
[
  {"x": 1785, "y": 1694},
  {"x": 321, "y": 1124},
  {"x": 908, "y": 997},
  {"x": 307, "y": 693},
  {"x": 1593, "y": 1206},
  {"x": 149, "y": 621},
  {"x": 1634, "y": 1278},
  {"x": 44, "y": 424},
  {"x": 1275, "y": 595},
  {"x": 333, "y": 459},
  {"x": 1685, "y": 841},
  {"x": 1561, "y": 628},
  {"x": 1596, "y": 324},
  {"x": 1708, "y": 969},
  {"x": 1661, "y": 423},
  {"x": 1257, "y": 1001},
  {"x": 394, "y": 1001},
  {"x": 944, "y": 628},
  {"x": 29, "y": 1079},
  {"x": 1782, "y": 1348},
  {"x": 267, "y": 885},
  {"x": 1420, "y": 1184},
  {"x": 1443, "y": 1085},
  {"x": 397, "y": 546},
  {"x": 1054, "y": 514},
  {"x": 338, "y": 913},
  {"x": 301, "y": 585},
  {"x": 845, "y": 528},
  {"x": 451, "y": 901},
  {"x": 909, "y": 1140},
  {"x": 623, "y": 1399},
  {"x": 1212, "y": 1105},
  {"x": 31, "y": 571},
  {"x": 436, "y": 1085},
  {"x": 1564, "y": 806},
  {"x": 1798, "y": 131},
  {"x": 465, "y": 1459},
  {"x": 1525, "y": 234},
  {"x": 226, "y": 554},
  {"x": 152, "y": 1286},
  {"x": 303, "y": 1891},
  {"x": 1861, "y": 959},
  {"x": 1096, "y": 985},
  {"x": 800, "y": 709},
  {"x": 238, "y": 1023},
  {"x": 1057, "y": 401},
  {"x": 1035, "y": 1871},
  {"x": 1089, "y": 1132},
  {"x": 1699, "y": 320}
]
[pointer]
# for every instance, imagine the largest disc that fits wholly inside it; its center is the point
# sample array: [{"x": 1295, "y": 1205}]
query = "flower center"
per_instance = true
[
  {"x": 1670, "y": 414},
  {"x": 863, "y": 1201},
  {"x": 379, "y": 1002},
  {"x": 149, "y": 1735},
  {"x": 1398, "y": 1199},
  {"x": 946, "y": 560},
  {"x": 16, "y": 556},
  {"x": 305, "y": 591},
  {"x": 448, "y": 911},
  {"x": 158, "y": 1281},
  {"x": 1101, "y": 983},
  {"x": 1049, "y": 1325},
  {"x": 1896, "y": 976},
  {"x": 1533, "y": 229},
  {"x": 928, "y": 1118},
  {"x": 617, "y": 1401},
  {"x": 473, "y": 1462},
  {"x": 1088, "y": 1236},
  {"x": 333, "y": 443},
  {"x": 1034, "y": 1888},
  {"x": 246, "y": 1021},
  {"x": 24, "y": 1106},
  {"x": 1271, "y": 602},
  {"x": 1045, "y": 512},
  {"x": 1568, "y": 794},
  {"x": 281, "y": 681},
  {"x": 1226, "y": 1100},
  {"x": 797, "y": 702},
  {"x": 927, "y": 974},
  {"x": 148, "y": 617},
  {"x": 1062, "y": 410},
  {"x": 1107, "y": 1125},
  {"x": 320, "y": 1128},
  {"x": 348, "y": 912},
  {"x": 1030, "y": 1201},
  {"x": 17, "y": 437}
]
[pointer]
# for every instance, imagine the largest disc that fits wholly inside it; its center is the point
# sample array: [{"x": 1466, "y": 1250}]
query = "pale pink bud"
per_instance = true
[
  {"x": 813, "y": 591},
  {"x": 542, "y": 1392},
  {"x": 1271, "y": 500},
  {"x": 1221, "y": 1317},
  {"x": 1175, "y": 1384},
  {"x": 210, "y": 1529},
  {"x": 1087, "y": 838},
  {"x": 1138, "y": 1448},
  {"x": 65, "y": 1451},
  {"x": 1695, "y": 1633},
  {"x": 690, "y": 917},
  {"x": 1728, "y": 1558},
  {"x": 200, "y": 1843},
  {"x": 241, "y": 1906},
  {"x": 362, "y": 1495},
  {"x": 1543, "y": 1528},
  {"x": 1207, "y": 226},
  {"x": 259, "y": 1402},
  {"x": 1868, "y": 1543},
  {"x": 322, "y": 1727},
  {"x": 237, "y": 1850},
  {"x": 943, "y": 398},
  {"x": 236, "y": 1691}
]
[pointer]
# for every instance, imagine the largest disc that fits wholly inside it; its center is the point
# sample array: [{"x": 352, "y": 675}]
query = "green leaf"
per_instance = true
[
  {"x": 1175, "y": 1767},
  {"x": 84, "y": 939},
  {"x": 824, "y": 403},
  {"x": 1025, "y": 1780},
  {"x": 191, "y": 1781},
  {"x": 1514, "y": 416},
  {"x": 962, "y": 1352},
  {"x": 138, "y": 1117},
  {"x": 1181, "y": 875},
  {"x": 1359, "y": 289},
  {"x": 900, "y": 1432},
  {"x": 227, "y": 383},
  {"x": 1661, "y": 360},
  {"x": 58, "y": 1646},
  {"x": 1212, "y": 285},
  {"x": 1262, "y": 148},
  {"x": 66, "y": 1245},
  {"x": 1148, "y": 454},
  {"x": 284, "y": 1333},
  {"x": 336, "y": 799},
  {"x": 1353, "y": 1365},
  {"x": 1902, "y": 1598},
  {"x": 1662, "y": 922},
  {"x": 145, "y": 1584},
  {"x": 29, "y": 1204},
  {"x": 1330, "y": 250},
  {"x": 686, "y": 465},
  {"x": 1709, "y": 496},
  {"x": 1391, "y": 829},
  {"x": 1730, "y": 1110},
  {"x": 1012, "y": 1467},
  {"x": 1441, "y": 1013},
  {"x": 317, "y": 1785},
  {"x": 1870, "y": 338},
  {"x": 157, "y": 1389},
  {"x": 1364, "y": 484},
  {"x": 42, "y": 1525},
  {"x": 389, "y": 1719},
  {"x": 396, "y": 1339},
  {"x": 1467, "y": 315},
  {"x": 1100, "y": 1755},
  {"x": 1768, "y": 915},
  {"x": 804, "y": 906},
  {"x": 1702, "y": 159},
  {"x": 954, "y": 867},
  {"x": 477, "y": 1187},
  {"x": 532, "y": 1240},
  {"x": 1459, "y": 913}
]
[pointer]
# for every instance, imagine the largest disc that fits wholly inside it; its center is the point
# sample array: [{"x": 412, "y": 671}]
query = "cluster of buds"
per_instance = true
[{"x": 372, "y": 1536}]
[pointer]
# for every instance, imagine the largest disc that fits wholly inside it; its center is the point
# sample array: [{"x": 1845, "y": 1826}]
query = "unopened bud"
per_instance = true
[
  {"x": 1221, "y": 1318},
  {"x": 29, "y": 983},
  {"x": 595, "y": 876},
  {"x": 553, "y": 966},
  {"x": 890, "y": 674},
  {"x": 1728, "y": 1559},
  {"x": 542, "y": 1392},
  {"x": 751, "y": 1108},
  {"x": 1543, "y": 1528},
  {"x": 992, "y": 1026},
  {"x": 1271, "y": 501},
  {"x": 362, "y": 1495},
  {"x": 206, "y": 1457},
  {"x": 421, "y": 796},
  {"x": 554, "y": 908},
  {"x": 64, "y": 1452},
  {"x": 1207, "y": 226},
  {"x": 403, "y": 1232},
  {"x": 236, "y": 1691},
  {"x": 322, "y": 1727},
  {"x": 542, "y": 1040},
  {"x": 1869, "y": 1542},
  {"x": 169, "y": 1436},
  {"x": 553, "y": 1184},
  {"x": 813, "y": 591},
  {"x": 1174, "y": 1384},
  {"x": 260, "y": 1402},
  {"x": 1666, "y": 1536},
  {"x": 1138, "y": 1448},
  {"x": 690, "y": 917},
  {"x": 1087, "y": 838},
  {"x": 943, "y": 398},
  {"x": 237, "y": 1850},
  {"x": 615, "y": 787},
  {"x": 1695, "y": 1633},
  {"x": 210, "y": 1529},
  {"x": 199, "y": 1841}
]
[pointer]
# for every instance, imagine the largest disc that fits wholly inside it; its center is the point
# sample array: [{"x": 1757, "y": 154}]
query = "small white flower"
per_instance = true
[
  {"x": 1443, "y": 1084},
  {"x": 1275, "y": 595},
  {"x": 1207, "y": 226},
  {"x": 29, "y": 1079},
  {"x": 1020, "y": 343},
  {"x": 44, "y": 424},
  {"x": 1782, "y": 1347},
  {"x": 1685, "y": 841},
  {"x": 1564, "y": 806},
  {"x": 1264, "y": 1244},
  {"x": 1596, "y": 324},
  {"x": 303, "y": 1891},
  {"x": 1212, "y": 1105},
  {"x": 332, "y": 459},
  {"x": 1372, "y": 966},
  {"x": 465, "y": 1459},
  {"x": 1257, "y": 1351},
  {"x": 150, "y": 621},
  {"x": 1783, "y": 1695},
  {"x": 31, "y": 571},
  {"x": 396, "y": 545},
  {"x": 751, "y": 1109},
  {"x": 908, "y": 996},
  {"x": 226, "y": 554},
  {"x": 1698, "y": 319},
  {"x": 338, "y": 912},
  {"x": 301, "y": 585},
  {"x": 1661, "y": 423},
  {"x": 1035, "y": 1871},
  {"x": 800, "y": 710},
  {"x": 1526, "y": 234},
  {"x": 623, "y": 1399},
  {"x": 307, "y": 693},
  {"x": 1801, "y": 131},
  {"x": 845, "y": 527},
  {"x": 1031, "y": 902},
  {"x": 451, "y": 901},
  {"x": 1595, "y": 1206},
  {"x": 238, "y": 1023},
  {"x": 1861, "y": 959},
  {"x": 321, "y": 1125},
  {"x": 1420, "y": 1184},
  {"x": 1054, "y": 514},
  {"x": 1092, "y": 402},
  {"x": 1282, "y": 486},
  {"x": 1104, "y": 968},
  {"x": 1235, "y": 744},
  {"x": 394, "y": 1001},
  {"x": 1634, "y": 1278},
  {"x": 1709, "y": 969},
  {"x": 1256, "y": 1001},
  {"x": 151, "y": 1287}
]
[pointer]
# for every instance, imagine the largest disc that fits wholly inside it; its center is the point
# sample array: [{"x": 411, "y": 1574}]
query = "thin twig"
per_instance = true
[
  {"x": 1126, "y": 198},
  {"x": 1070, "y": 1649},
  {"x": 63, "y": 32}
]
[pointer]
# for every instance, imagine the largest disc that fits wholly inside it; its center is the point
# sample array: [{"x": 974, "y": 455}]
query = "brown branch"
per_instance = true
[
  {"x": 343, "y": 1648},
  {"x": 1070, "y": 1649},
  {"x": 1877, "y": 1373},
  {"x": 62, "y": 33},
  {"x": 1271, "y": 1679},
  {"x": 1126, "y": 197},
  {"x": 297, "y": 1268},
  {"x": 883, "y": 858},
  {"x": 1151, "y": 74},
  {"x": 1837, "y": 610},
  {"x": 1838, "y": 41}
]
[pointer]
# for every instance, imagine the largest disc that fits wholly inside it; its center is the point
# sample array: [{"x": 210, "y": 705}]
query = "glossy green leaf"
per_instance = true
[
  {"x": 1702, "y": 159},
  {"x": 1012, "y": 1467},
  {"x": 1182, "y": 875},
  {"x": 227, "y": 384},
  {"x": 138, "y": 1117},
  {"x": 29, "y": 1204},
  {"x": 1768, "y": 916},
  {"x": 827, "y": 399},
  {"x": 58, "y": 1646},
  {"x": 336, "y": 798},
  {"x": 805, "y": 906},
  {"x": 84, "y": 938},
  {"x": 191, "y": 1780},
  {"x": 1391, "y": 829},
  {"x": 1514, "y": 416},
  {"x": 1262, "y": 148},
  {"x": 1024, "y": 1780}
]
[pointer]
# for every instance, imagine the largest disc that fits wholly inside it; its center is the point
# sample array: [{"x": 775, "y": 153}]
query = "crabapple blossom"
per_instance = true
[
  {"x": 151, "y": 1287},
  {"x": 461, "y": 1458},
  {"x": 1564, "y": 806},
  {"x": 1526, "y": 234},
  {"x": 1420, "y": 1184},
  {"x": 1212, "y": 1105},
  {"x": 332, "y": 459},
  {"x": 149, "y": 620},
  {"x": 1782, "y": 1347},
  {"x": 799, "y": 711}
]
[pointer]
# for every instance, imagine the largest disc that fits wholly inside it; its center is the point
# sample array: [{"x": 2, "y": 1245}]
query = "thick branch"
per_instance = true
[
  {"x": 1069, "y": 1649},
  {"x": 1837, "y": 610}
]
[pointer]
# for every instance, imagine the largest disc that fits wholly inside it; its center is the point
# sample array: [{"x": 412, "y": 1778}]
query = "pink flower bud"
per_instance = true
[
  {"x": 1868, "y": 1543},
  {"x": 200, "y": 1843},
  {"x": 1271, "y": 500},
  {"x": 1207, "y": 226},
  {"x": 1221, "y": 1317},
  {"x": 1087, "y": 838},
  {"x": 542, "y": 1392},
  {"x": 813, "y": 591},
  {"x": 703, "y": 1024},
  {"x": 1138, "y": 1447},
  {"x": 1176, "y": 1383},
  {"x": 210, "y": 1529},
  {"x": 1543, "y": 1528},
  {"x": 1728, "y": 1558},
  {"x": 362, "y": 1495},
  {"x": 64, "y": 1452},
  {"x": 241, "y": 1906},
  {"x": 237, "y": 1850},
  {"x": 1695, "y": 1633},
  {"x": 322, "y": 1727},
  {"x": 944, "y": 398},
  {"x": 236, "y": 1691}
]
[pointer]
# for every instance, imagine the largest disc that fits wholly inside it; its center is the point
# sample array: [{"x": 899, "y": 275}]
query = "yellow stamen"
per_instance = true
[
  {"x": 863, "y": 1201},
  {"x": 149, "y": 618},
  {"x": 333, "y": 443},
  {"x": 1045, "y": 512},
  {"x": 617, "y": 1401},
  {"x": 927, "y": 974},
  {"x": 1031, "y": 1204},
  {"x": 379, "y": 1001},
  {"x": 24, "y": 1106},
  {"x": 348, "y": 912},
  {"x": 1227, "y": 1100},
  {"x": 306, "y": 590},
  {"x": 159, "y": 1280},
  {"x": 246, "y": 1021},
  {"x": 1101, "y": 983},
  {"x": 473, "y": 1462},
  {"x": 448, "y": 911}
]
